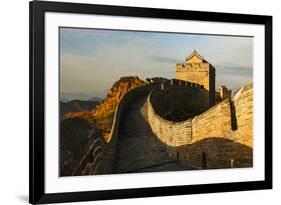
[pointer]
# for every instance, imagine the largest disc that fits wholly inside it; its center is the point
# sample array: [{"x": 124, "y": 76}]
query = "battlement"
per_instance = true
[{"x": 193, "y": 66}]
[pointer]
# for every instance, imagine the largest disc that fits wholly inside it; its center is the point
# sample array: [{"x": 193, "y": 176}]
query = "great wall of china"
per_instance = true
[{"x": 179, "y": 124}]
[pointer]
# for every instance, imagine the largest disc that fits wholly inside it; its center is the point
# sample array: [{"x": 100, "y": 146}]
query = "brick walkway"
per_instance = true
[{"x": 138, "y": 151}]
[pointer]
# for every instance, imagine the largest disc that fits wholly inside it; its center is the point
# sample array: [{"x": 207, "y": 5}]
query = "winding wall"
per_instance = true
[
  {"x": 176, "y": 95},
  {"x": 104, "y": 158},
  {"x": 221, "y": 137},
  {"x": 210, "y": 134},
  {"x": 168, "y": 130},
  {"x": 171, "y": 134}
]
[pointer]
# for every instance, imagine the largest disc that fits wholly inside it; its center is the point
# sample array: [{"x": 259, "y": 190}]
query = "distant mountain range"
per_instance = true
[
  {"x": 95, "y": 99},
  {"x": 77, "y": 106},
  {"x": 67, "y": 97}
]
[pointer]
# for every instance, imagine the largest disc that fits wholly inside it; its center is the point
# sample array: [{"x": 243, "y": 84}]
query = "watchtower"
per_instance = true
[{"x": 197, "y": 70}]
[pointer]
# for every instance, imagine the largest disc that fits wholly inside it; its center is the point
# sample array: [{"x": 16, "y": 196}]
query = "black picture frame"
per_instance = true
[{"x": 37, "y": 11}]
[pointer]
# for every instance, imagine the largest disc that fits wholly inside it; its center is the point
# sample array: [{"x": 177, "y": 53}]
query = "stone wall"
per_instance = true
[
  {"x": 175, "y": 96},
  {"x": 170, "y": 134},
  {"x": 243, "y": 105},
  {"x": 216, "y": 122},
  {"x": 215, "y": 153},
  {"x": 213, "y": 136},
  {"x": 221, "y": 137}
]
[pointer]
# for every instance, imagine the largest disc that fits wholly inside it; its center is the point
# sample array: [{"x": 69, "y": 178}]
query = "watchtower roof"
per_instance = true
[{"x": 195, "y": 56}]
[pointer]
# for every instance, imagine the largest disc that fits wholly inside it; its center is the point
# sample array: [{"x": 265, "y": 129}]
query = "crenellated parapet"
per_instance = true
[{"x": 185, "y": 67}]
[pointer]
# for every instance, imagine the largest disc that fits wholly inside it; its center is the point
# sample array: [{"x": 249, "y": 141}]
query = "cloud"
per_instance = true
[
  {"x": 91, "y": 60},
  {"x": 231, "y": 51},
  {"x": 160, "y": 59},
  {"x": 237, "y": 71}
]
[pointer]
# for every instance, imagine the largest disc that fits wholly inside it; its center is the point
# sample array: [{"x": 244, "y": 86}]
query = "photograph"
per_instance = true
[
  {"x": 130, "y": 102},
  {"x": 135, "y": 101}
]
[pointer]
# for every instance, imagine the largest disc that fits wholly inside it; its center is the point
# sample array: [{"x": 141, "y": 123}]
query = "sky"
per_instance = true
[{"x": 91, "y": 60}]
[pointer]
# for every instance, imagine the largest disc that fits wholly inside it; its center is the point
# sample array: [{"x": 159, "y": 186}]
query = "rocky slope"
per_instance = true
[{"x": 102, "y": 115}]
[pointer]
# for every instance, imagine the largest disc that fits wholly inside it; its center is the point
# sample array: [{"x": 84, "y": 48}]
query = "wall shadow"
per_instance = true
[
  {"x": 212, "y": 153},
  {"x": 178, "y": 100}
]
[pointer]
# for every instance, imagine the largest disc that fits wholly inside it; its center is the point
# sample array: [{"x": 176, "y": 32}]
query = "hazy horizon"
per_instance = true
[{"x": 91, "y": 60}]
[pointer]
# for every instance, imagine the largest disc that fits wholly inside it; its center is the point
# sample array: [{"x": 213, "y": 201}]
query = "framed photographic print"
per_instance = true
[{"x": 140, "y": 102}]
